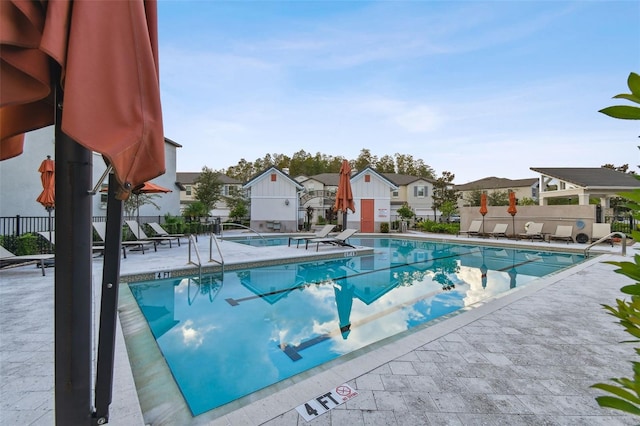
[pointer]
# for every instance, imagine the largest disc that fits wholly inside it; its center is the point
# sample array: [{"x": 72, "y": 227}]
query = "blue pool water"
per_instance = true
[{"x": 227, "y": 336}]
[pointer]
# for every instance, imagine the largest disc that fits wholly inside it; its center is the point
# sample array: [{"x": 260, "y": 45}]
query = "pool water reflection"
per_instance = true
[{"x": 227, "y": 336}]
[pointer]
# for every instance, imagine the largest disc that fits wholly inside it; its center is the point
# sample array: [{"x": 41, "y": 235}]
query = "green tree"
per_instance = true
[
  {"x": 195, "y": 211},
  {"x": 238, "y": 204},
  {"x": 365, "y": 159},
  {"x": 472, "y": 198},
  {"x": 498, "y": 198},
  {"x": 386, "y": 164},
  {"x": 135, "y": 201},
  {"x": 406, "y": 212},
  {"x": 625, "y": 392},
  {"x": 448, "y": 208},
  {"x": 208, "y": 188},
  {"x": 444, "y": 191}
]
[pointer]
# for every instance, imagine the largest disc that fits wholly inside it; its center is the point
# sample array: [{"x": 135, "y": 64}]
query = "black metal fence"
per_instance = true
[{"x": 19, "y": 225}]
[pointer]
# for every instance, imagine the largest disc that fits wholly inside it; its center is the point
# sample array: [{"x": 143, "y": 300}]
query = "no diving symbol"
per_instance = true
[{"x": 343, "y": 390}]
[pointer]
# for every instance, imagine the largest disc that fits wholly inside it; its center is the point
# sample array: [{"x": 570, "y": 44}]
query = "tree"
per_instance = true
[
  {"x": 365, "y": 159},
  {"x": 472, "y": 198},
  {"x": 195, "y": 211},
  {"x": 208, "y": 188},
  {"x": 626, "y": 392},
  {"x": 238, "y": 204},
  {"x": 448, "y": 208},
  {"x": 132, "y": 204},
  {"x": 498, "y": 198},
  {"x": 386, "y": 164},
  {"x": 444, "y": 191}
]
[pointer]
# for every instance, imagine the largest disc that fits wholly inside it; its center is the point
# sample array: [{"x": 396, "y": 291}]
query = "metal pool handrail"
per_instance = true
[
  {"x": 213, "y": 239},
  {"x": 605, "y": 238},
  {"x": 192, "y": 243},
  {"x": 241, "y": 226}
]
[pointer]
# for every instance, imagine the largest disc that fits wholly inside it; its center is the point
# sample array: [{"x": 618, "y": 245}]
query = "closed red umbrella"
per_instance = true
[
  {"x": 344, "y": 196},
  {"x": 48, "y": 195},
  {"x": 47, "y": 175},
  {"x": 483, "y": 208},
  {"x": 512, "y": 210}
]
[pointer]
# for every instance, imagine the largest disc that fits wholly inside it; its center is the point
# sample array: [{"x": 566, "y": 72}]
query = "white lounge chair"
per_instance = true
[
  {"x": 50, "y": 236},
  {"x": 338, "y": 240},
  {"x": 101, "y": 230},
  {"x": 601, "y": 230},
  {"x": 324, "y": 232},
  {"x": 500, "y": 230},
  {"x": 533, "y": 231},
  {"x": 158, "y": 229},
  {"x": 563, "y": 232},
  {"x": 474, "y": 228},
  {"x": 140, "y": 235},
  {"x": 8, "y": 259}
]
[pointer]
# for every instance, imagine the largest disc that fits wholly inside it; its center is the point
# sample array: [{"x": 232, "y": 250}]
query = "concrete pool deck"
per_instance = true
[{"x": 526, "y": 358}]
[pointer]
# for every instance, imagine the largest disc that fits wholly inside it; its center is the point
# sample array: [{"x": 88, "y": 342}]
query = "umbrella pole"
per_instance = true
[
  {"x": 108, "y": 304},
  {"x": 73, "y": 286},
  {"x": 344, "y": 220}
]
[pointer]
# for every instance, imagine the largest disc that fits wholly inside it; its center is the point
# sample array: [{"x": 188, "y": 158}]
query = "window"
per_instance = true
[
  {"x": 104, "y": 196},
  {"x": 367, "y": 178},
  {"x": 395, "y": 193},
  {"x": 273, "y": 177},
  {"x": 420, "y": 191},
  {"x": 188, "y": 189}
]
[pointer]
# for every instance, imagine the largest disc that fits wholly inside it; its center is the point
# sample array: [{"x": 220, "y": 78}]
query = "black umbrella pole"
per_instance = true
[
  {"x": 108, "y": 305},
  {"x": 73, "y": 287}
]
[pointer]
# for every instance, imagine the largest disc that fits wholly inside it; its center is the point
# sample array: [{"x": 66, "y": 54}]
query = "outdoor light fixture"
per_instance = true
[{"x": 286, "y": 202}]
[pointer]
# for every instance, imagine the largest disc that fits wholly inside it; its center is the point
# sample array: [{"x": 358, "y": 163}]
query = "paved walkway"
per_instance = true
[{"x": 527, "y": 358}]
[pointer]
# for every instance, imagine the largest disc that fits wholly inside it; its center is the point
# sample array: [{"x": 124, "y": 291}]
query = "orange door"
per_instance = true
[{"x": 366, "y": 216}]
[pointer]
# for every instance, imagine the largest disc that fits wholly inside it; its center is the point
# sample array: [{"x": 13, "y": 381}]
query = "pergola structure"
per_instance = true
[{"x": 583, "y": 183}]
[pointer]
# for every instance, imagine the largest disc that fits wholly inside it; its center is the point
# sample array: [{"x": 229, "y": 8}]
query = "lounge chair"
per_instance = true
[
  {"x": 563, "y": 232},
  {"x": 140, "y": 235},
  {"x": 52, "y": 240},
  {"x": 10, "y": 260},
  {"x": 158, "y": 229},
  {"x": 101, "y": 230},
  {"x": 474, "y": 228},
  {"x": 601, "y": 230},
  {"x": 324, "y": 232},
  {"x": 500, "y": 230},
  {"x": 338, "y": 240},
  {"x": 533, "y": 231}
]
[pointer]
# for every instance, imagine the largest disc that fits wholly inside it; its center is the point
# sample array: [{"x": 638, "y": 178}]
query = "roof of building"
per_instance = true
[
  {"x": 332, "y": 179},
  {"x": 590, "y": 176},
  {"x": 189, "y": 178},
  {"x": 496, "y": 183},
  {"x": 269, "y": 170}
]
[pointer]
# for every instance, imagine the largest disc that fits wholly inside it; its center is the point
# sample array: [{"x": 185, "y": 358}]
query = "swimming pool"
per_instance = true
[{"x": 226, "y": 336}]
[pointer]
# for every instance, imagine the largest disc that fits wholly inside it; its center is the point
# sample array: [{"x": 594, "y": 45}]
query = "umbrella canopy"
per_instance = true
[
  {"x": 344, "y": 196},
  {"x": 90, "y": 68},
  {"x": 110, "y": 80},
  {"x": 47, "y": 175},
  {"x": 150, "y": 188}
]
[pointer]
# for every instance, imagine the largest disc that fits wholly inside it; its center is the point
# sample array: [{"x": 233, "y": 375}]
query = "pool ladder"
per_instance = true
[
  {"x": 605, "y": 238},
  {"x": 193, "y": 244}
]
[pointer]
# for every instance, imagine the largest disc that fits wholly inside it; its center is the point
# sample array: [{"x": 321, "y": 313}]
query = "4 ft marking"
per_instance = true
[
  {"x": 328, "y": 401},
  {"x": 162, "y": 275}
]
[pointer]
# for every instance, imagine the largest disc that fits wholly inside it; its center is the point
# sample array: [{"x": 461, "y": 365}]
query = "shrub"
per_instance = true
[
  {"x": 439, "y": 228},
  {"x": 26, "y": 244},
  {"x": 384, "y": 227}
]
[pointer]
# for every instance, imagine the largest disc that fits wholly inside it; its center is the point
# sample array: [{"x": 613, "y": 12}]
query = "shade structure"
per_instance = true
[
  {"x": 48, "y": 195},
  {"x": 344, "y": 195},
  {"x": 512, "y": 210},
  {"x": 147, "y": 188},
  {"x": 89, "y": 68},
  {"x": 110, "y": 79},
  {"x": 483, "y": 208}
]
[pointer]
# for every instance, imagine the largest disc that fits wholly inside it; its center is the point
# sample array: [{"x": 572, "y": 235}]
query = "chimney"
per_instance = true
[{"x": 285, "y": 170}]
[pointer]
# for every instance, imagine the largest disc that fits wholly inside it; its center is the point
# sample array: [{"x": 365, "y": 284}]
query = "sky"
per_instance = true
[{"x": 474, "y": 88}]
